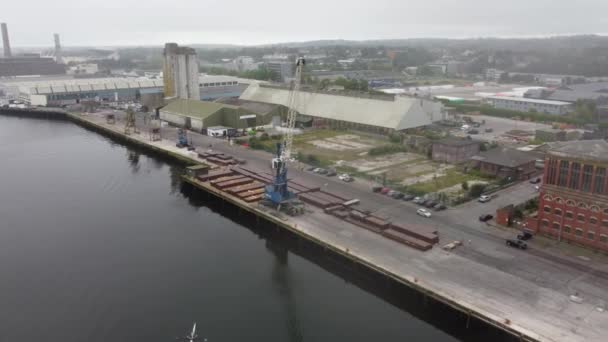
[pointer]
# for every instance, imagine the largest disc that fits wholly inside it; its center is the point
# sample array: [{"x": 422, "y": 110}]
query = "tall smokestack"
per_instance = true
[
  {"x": 57, "y": 48},
  {"x": 5, "y": 42}
]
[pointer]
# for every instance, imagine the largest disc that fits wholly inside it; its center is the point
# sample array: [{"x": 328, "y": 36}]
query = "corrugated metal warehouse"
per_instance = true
[
  {"x": 379, "y": 114},
  {"x": 199, "y": 115}
]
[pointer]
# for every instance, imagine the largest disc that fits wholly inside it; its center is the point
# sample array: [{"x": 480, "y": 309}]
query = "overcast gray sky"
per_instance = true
[{"x": 144, "y": 22}]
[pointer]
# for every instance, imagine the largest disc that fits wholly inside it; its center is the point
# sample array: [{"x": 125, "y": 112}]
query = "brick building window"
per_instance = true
[
  {"x": 600, "y": 177},
  {"x": 567, "y": 229},
  {"x": 578, "y": 232},
  {"x": 605, "y": 223},
  {"x": 556, "y": 225},
  {"x": 569, "y": 215},
  {"x": 593, "y": 220},
  {"x": 587, "y": 175},
  {"x": 548, "y": 198},
  {"x": 557, "y": 212},
  {"x": 591, "y": 235},
  {"x": 563, "y": 173},
  {"x": 582, "y": 205},
  {"x": 595, "y": 208},
  {"x": 606, "y": 211},
  {"x": 545, "y": 223},
  {"x": 547, "y": 209},
  {"x": 574, "y": 178},
  {"x": 570, "y": 203},
  {"x": 580, "y": 217},
  {"x": 604, "y": 238},
  {"x": 552, "y": 172},
  {"x": 558, "y": 200}
]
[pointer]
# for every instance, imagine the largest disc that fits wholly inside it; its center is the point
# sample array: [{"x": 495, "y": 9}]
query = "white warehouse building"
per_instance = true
[
  {"x": 522, "y": 104},
  {"x": 380, "y": 114},
  {"x": 70, "y": 91}
]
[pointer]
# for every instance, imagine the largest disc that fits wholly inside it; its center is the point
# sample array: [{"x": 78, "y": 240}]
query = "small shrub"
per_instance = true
[
  {"x": 387, "y": 149},
  {"x": 465, "y": 185},
  {"x": 476, "y": 190}
]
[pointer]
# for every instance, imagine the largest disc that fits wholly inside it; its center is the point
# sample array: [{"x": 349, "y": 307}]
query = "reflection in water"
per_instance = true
[
  {"x": 175, "y": 172},
  {"x": 133, "y": 158},
  {"x": 282, "y": 283}
]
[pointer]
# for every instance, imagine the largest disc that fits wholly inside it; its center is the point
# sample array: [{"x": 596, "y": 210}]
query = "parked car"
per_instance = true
[
  {"x": 440, "y": 207},
  {"x": 376, "y": 188},
  {"x": 311, "y": 169},
  {"x": 484, "y": 198},
  {"x": 323, "y": 171},
  {"x": 418, "y": 200},
  {"x": 331, "y": 173},
  {"x": 427, "y": 202},
  {"x": 423, "y": 212},
  {"x": 516, "y": 244},
  {"x": 391, "y": 193},
  {"x": 398, "y": 195},
  {"x": 316, "y": 170},
  {"x": 431, "y": 204},
  {"x": 489, "y": 130},
  {"x": 408, "y": 197},
  {"x": 472, "y": 131},
  {"x": 345, "y": 177},
  {"x": 485, "y": 218},
  {"x": 535, "y": 180},
  {"x": 524, "y": 236},
  {"x": 384, "y": 191}
]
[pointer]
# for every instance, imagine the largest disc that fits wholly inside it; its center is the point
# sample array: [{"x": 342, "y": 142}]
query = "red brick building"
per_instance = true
[{"x": 573, "y": 203}]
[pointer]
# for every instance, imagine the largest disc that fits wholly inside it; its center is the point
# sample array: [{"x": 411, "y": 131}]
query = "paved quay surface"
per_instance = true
[{"x": 531, "y": 289}]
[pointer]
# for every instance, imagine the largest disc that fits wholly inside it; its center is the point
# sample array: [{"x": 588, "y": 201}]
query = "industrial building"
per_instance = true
[
  {"x": 507, "y": 163},
  {"x": 573, "y": 204},
  {"x": 380, "y": 114},
  {"x": 454, "y": 150},
  {"x": 180, "y": 72},
  {"x": 70, "y": 91},
  {"x": 521, "y": 104},
  {"x": 596, "y": 92},
  {"x": 284, "y": 69},
  {"x": 217, "y": 87},
  {"x": 202, "y": 115},
  {"x": 27, "y": 64}
]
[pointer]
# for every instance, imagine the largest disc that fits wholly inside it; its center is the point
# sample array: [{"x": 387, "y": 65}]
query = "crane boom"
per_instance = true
[{"x": 292, "y": 102}]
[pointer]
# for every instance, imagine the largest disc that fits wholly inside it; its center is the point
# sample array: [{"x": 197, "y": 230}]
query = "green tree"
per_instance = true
[
  {"x": 465, "y": 185},
  {"x": 476, "y": 190}
]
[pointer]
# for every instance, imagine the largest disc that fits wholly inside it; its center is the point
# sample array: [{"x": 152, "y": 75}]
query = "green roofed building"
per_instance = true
[{"x": 200, "y": 115}]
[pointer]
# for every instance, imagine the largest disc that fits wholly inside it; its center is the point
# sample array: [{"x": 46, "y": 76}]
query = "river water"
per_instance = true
[{"x": 100, "y": 242}]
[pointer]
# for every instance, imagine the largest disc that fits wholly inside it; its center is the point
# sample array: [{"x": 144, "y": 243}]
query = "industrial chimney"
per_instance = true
[
  {"x": 57, "y": 48},
  {"x": 5, "y": 42}
]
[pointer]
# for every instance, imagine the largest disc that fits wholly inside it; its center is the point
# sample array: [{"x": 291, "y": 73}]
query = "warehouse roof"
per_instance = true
[
  {"x": 523, "y": 99},
  {"x": 252, "y": 106},
  {"x": 59, "y": 86},
  {"x": 195, "y": 108},
  {"x": 505, "y": 157},
  {"x": 397, "y": 113},
  {"x": 583, "y": 149}
]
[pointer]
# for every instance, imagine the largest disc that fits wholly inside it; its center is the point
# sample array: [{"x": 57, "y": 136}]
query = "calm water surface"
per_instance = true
[{"x": 100, "y": 243}]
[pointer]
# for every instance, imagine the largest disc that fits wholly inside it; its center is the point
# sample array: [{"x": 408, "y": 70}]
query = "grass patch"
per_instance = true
[
  {"x": 387, "y": 149},
  {"x": 452, "y": 178}
]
